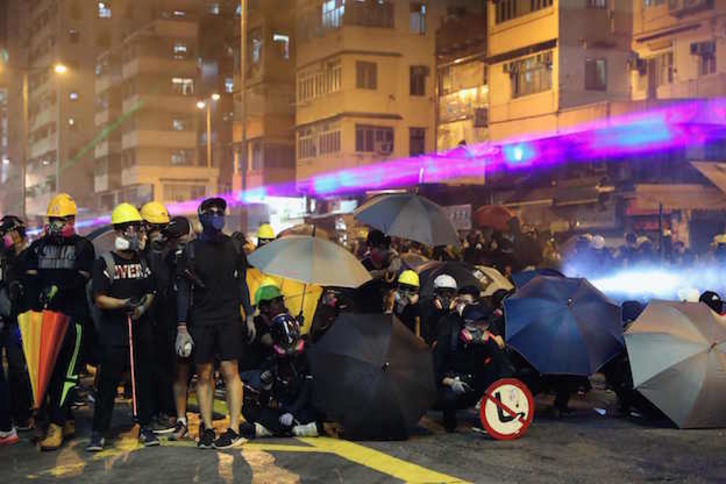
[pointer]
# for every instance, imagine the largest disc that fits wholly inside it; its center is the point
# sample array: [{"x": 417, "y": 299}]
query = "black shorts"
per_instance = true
[{"x": 219, "y": 340}]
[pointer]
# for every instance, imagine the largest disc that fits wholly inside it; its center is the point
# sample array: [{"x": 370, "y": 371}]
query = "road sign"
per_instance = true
[{"x": 506, "y": 409}]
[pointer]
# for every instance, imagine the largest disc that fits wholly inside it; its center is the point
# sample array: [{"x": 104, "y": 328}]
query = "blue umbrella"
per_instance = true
[
  {"x": 521, "y": 279},
  {"x": 563, "y": 326}
]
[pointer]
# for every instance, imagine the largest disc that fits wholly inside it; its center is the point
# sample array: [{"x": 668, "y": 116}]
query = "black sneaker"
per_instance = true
[
  {"x": 247, "y": 430},
  {"x": 96, "y": 444},
  {"x": 228, "y": 440},
  {"x": 78, "y": 399},
  {"x": 180, "y": 431},
  {"x": 206, "y": 439},
  {"x": 148, "y": 437},
  {"x": 162, "y": 425}
]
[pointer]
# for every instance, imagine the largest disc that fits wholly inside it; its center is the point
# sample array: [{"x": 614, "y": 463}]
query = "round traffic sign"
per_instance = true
[{"x": 506, "y": 409}]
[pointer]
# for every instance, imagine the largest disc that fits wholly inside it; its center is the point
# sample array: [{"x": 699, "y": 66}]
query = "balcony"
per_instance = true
[
  {"x": 106, "y": 148},
  {"x": 159, "y": 139},
  {"x": 42, "y": 146},
  {"x": 710, "y": 86},
  {"x": 159, "y": 65}
]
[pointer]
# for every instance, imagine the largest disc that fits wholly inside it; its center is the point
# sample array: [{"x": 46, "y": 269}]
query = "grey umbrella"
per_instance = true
[
  {"x": 310, "y": 260},
  {"x": 677, "y": 355},
  {"x": 410, "y": 217}
]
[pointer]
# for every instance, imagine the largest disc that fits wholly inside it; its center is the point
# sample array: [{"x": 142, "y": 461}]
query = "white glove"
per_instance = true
[
  {"x": 184, "y": 342},
  {"x": 251, "y": 330},
  {"x": 286, "y": 419},
  {"x": 459, "y": 386}
]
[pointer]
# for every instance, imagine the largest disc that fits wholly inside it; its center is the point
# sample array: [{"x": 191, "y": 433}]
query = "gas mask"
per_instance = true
[
  {"x": 443, "y": 300},
  {"x": 8, "y": 242},
  {"x": 403, "y": 296},
  {"x": 58, "y": 228},
  {"x": 474, "y": 333},
  {"x": 131, "y": 240}
]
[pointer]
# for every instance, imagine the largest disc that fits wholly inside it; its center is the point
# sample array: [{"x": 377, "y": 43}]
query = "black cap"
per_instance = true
[
  {"x": 474, "y": 313},
  {"x": 376, "y": 238},
  {"x": 213, "y": 202},
  {"x": 177, "y": 227}
]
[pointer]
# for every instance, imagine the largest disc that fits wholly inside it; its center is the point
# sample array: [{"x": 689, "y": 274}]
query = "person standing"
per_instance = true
[
  {"x": 59, "y": 265},
  {"x": 406, "y": 301},
  {"x": 265, "y": 235},
  {"x": 123, "y": 292},
  {"x": 212, "y": 303}
]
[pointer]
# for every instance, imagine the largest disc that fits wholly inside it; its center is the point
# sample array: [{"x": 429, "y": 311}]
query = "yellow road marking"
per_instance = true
[{"x": 265, "y": 469}]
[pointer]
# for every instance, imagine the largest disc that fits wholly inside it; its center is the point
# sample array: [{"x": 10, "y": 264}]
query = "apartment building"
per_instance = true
[
  {"x": 265, "y": 130},
  {"x": 6, "y": 171},
  {"x": 365, "y": 81}
]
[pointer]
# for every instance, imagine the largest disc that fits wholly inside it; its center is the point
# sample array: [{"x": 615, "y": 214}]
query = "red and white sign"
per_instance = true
[{"x": 507, "y": 409}]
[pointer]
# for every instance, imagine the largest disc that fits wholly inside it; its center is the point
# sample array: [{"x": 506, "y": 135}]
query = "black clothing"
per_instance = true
[
  {"x": 430, "y": 317},
  {"x": 60, "y": 264},
  {"x": 409, "y": 316},
  {"x": 132, "y": 279},
  {"x": 223, "y": 341},
  {"x": 256, "y": 353},
  {"x": 220, "y": 270}
]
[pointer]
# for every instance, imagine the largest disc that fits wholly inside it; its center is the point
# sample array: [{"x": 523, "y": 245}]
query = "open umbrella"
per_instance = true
[
  {"x": 413, "y": 261},
  {"x": 522, "y": 278},
  {"x": 308, "y": 229},
  {"x": 464, "y": 274},
  {"x": 296, "y": 294},
  {"x": 494, "y": 216},
  {"x": 563, "y": 326},
  {"x": 410, "y": 217},
  {"x": 492, "y": 280},
  {"x": 42, "y": 334},
  {"x": 373, "y": 376},
  {"x": 310, "y": 260},
  {"x": 103, "y": 239},
  {"x": 677, "y": 356}
]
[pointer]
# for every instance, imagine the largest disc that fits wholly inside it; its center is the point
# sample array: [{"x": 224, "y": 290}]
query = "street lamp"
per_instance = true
[
  {"x": 208, "y": 106},
  {"x": 60, "y": 69}
]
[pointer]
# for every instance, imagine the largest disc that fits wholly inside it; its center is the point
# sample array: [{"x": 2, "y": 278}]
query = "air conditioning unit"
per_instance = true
[
  {"x": 383, "y": 147},
  {"x": 481, "y": 117}
]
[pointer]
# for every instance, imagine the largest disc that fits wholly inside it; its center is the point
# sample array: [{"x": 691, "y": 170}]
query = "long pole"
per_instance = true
[
  {"x": 209, "y": 133},
  {"x": 24, "y": 146}
]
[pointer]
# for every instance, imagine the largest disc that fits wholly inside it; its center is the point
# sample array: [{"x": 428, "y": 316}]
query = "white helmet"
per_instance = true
[
  {"x": 598, "y": 242},
  {"x": 445, "y": 281}
]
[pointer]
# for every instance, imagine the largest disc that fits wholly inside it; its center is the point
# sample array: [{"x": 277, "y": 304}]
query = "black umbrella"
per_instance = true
[
  {"x": 464, "y": 274},
  {"x": 373, "y": 376}
]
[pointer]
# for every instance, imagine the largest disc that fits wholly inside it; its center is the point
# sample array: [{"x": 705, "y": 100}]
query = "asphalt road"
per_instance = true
[{"x": 585, "y": 447}]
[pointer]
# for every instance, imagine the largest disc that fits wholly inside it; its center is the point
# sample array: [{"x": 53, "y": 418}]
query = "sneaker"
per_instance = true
[
  {"x": 247, "y": 430},
  {"x": 162, "y": 425},
  {"x": 78, "y": 399},
  {"x": 69, "y": 429},
  {"x": 206, "y": 438},
  {"x": 308, "y": 430},
  {"x": 9, "y": 438},
  {"x": 181, "y": 431},
  {"x": 53, "y": 438},
  {"x": 24, "y": 425},
  {"x": 96, "y": 444},
  {"x": 228, "y": 440},
  {"x": 148, "y": 437}
]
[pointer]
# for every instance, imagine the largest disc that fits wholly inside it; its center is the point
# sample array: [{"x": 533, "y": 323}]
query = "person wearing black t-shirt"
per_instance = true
[
  {"x": 123, "y": 289},
  {"x": 58, "y": 266},
  {"x": 210, "y": 297}
]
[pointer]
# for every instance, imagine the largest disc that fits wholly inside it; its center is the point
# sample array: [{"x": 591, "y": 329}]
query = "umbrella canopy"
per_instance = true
[
  {"x": 310, "y": 260},
  {"x": 308, "y": 229},
  {"x": 677, "y": 355},
  {"x": 494, "y": 216},
  {"x": 410, "y": 217},
  {"x": 103, "y": 239},
  {"x": 42, "y": 334},
  {"x": 563, "y": 326},
  {"x": 293, "y": 292},
  {"x": 492, "y": 280},
  {"x": 522, "y": 278},
  {"x": 464, "y": 274},
  {"x": 373, "y": 376},
  {"x": 413, "y": 261}
]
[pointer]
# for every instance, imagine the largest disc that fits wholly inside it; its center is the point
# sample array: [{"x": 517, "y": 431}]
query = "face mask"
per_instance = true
[
  {"x": 8, "y": 241},
  {"x": 131, "y": 243},
  {"x": 212, "y": 222},
  {"x": 474, "y": 334},
  {"x": 60, "y": 228},
  {"x": 443, "y": 302}
]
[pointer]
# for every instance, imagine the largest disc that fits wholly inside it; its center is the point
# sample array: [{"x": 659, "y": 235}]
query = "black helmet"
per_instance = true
[
  {"x": 376, "y": 238},
  {"x": 712, "y": 300},
  {"x": 285, "y": 332},
  {"x": 474, "y": 313},
  {"x": 9, "y": 223}
]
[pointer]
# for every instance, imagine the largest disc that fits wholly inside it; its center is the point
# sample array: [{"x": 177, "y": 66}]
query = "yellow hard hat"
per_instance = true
[
  {"x": 410, "y": 278},
  {"x": 719, "y": 239},
  {"x": 268, "y": 281},
  {"x": 265, "y": 232},
  {"x": 62, "y": 205},
  {"x": 155, "y": 213},
  {"x": 125, "y": 213}
]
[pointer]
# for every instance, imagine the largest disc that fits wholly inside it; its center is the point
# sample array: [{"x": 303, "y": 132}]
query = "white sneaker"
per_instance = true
[
  {"x": 309, "y": 430},
  {"x": 261, "y": 431},
  {"x": 9, "y": 438}
]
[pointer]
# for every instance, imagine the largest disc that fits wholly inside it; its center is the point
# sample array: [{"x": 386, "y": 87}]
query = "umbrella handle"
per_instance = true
[{"x": 131, "y": 360}]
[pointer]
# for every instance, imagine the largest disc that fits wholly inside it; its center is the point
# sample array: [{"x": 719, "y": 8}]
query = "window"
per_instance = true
[
  {"x": 180, "y": 50},
  {"x": 597, "y": 3},
  {"x": 71, "y": 122},
  {"x": 530, "y": 75},
  {"x": 182, "y": 157},
  {"x": 373, "y": 139},
  {"x": 511, "y": 9},
  {"x": 332, "y": 13},
  {"x": 366, "y": 75},
  {"x": 596, "y": 77},
  {"x": 179, "y": 13},
  {"x": 417, "y": 80},
  {"x": 183, "y": 86},
  {"x": 329, "y": 138},
  {"x": 378, "y": 13},
  {"x": 181, "y": 192},
  {"x": 257, "y": 155},
  {"x": 663, "y": 64},
  {"x": 653, "y": 3},
  {"x": 321, "y": 82},
  {"x": 73, "y": 96},
  {"x": 228, "y": 84},
  {"x": 416, "y": 141},
  {"x": 305, "y": 144},
  {"x": 417, "y": 18},
  {"x": 706, "y": 52},
  {"x": 282, "y": 45},
  {"x": 255, "y": 46},
  {"x": 74, "y": 36},
  {"x": 104, "y": 9},
  {"x": 213, "y": 8},
  {"x": 179, "y": 124}
]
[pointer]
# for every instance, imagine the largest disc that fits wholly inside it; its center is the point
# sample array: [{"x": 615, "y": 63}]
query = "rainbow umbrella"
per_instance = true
[{"x": 42, "y": 334}]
